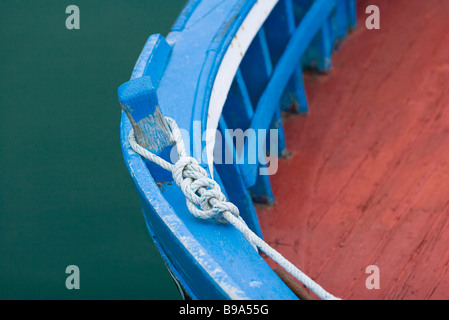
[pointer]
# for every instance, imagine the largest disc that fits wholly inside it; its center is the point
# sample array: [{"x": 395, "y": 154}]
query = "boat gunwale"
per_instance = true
[{"x": 166, "y": 216}]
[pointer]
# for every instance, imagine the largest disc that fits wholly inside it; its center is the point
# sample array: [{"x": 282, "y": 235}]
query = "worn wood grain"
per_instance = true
[{"x": 368, "y": 179}]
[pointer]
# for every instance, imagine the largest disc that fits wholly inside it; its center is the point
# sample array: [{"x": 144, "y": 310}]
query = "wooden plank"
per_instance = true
[
  {"x": 153, "y": 59},
  {"x": 203, "y": 254},
  {"x": 277, "y": 118},
  {"x": 318, "y": 54},
  {"x": 233, "y": 181},
  {"x": 139, "y": 101},
  {"x": 256, "y": 70},
  {"x": 368, "y": 183},
  {"x": 238, "y": 110},
  {"x": 300, "y": 40},
  {"x": 278, "y": 30}
]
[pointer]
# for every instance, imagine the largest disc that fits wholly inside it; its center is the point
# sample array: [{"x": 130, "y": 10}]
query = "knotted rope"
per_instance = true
[{"x": 205, "y": 200}]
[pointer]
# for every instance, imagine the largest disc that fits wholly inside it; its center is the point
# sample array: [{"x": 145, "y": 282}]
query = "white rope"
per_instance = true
[{"x": 205, "y": 200}]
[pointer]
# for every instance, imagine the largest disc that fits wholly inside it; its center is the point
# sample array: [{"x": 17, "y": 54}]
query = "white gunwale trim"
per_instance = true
[{"x": 228, "y": 68}]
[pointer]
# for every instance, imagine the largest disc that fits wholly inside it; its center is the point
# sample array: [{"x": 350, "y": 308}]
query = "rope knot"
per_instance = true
[
  {"x": 202, "y": 192},
  {"x": 204, "y": 197}
]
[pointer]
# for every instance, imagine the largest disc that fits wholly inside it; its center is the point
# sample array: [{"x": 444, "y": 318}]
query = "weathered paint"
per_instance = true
[
  {"x": 229, "y": 65},
  {"x": 209, "y": 260},
  {"x": 368, "y": 180},
  {"x": 138, "y": 99}
]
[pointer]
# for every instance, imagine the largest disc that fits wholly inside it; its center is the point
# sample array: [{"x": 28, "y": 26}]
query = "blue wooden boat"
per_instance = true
[{"x": 224, "y": 65}]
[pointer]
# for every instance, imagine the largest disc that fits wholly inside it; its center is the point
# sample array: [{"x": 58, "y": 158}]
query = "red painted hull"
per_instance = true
[{"x": 367, "y": 182}]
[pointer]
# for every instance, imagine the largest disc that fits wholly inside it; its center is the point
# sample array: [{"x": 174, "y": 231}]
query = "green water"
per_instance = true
[{"x": 65, "y": 194}]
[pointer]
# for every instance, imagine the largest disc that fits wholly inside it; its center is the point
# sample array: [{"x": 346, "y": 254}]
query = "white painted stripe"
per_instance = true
[{"x": 228, "y": 68}]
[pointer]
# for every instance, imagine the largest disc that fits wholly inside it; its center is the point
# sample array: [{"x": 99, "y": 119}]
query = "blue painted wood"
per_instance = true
[
  {"x": 204, "y": 255},
  {"x": 233, "y": 181},
  {"x": 299, "y": 42},
  {"x": 341, "y": 20},
  {"x": 277, "y": 118},
  {"x": 213, "y": 261},
  {"x": 294, "y": 98},
  {"x": 256, "y": 69},
  {"x": 175, "y": 75},
  {"x": 248, "y": 108},
  {"x": 318, "y": 54},
  {"x": 153, "y": 59},
  {"x": 237, "y": 113},
  {"x": 138, "y": 100},
  {"x": 254, "y": 73},
  {"x": 352, "y": 14},
  {"x": 277, "y": 124},
  {"x": 183, "y": 18},
  {"x": 278, "y": 30},
  {"x": 238, "y": 109},
  {"x": 261, "y": 192}
]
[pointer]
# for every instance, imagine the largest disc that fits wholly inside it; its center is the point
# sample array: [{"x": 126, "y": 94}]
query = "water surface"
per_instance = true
[{"x": 66, "y": 197}]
